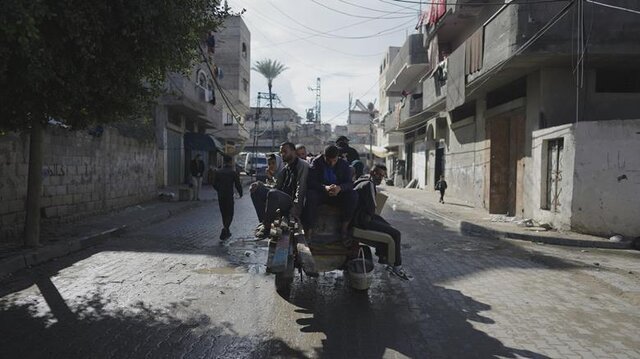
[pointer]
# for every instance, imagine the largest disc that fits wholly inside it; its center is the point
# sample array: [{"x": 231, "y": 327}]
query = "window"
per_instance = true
[
  {"x": 228, "y": 119},
  {"x": 244, "y": 50},
  {"x": 201, "y": 79},
  {"x": 245, "y": 85},
  {"x": 618, "y": 81},
  {"x": 553, "y": 174}
]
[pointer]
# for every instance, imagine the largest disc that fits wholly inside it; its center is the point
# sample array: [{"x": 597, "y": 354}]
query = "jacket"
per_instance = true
[
  {"x": 224, "y": 179},
  {"x": 342, "y": 170},
  {"x": 197, "y": 168},
  {"x": 350, "y": 153},
  {"x": 366, "y": 201},
  {"x": 300, "y": 169}
]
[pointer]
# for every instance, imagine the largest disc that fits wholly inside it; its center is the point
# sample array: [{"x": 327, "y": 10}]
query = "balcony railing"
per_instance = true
[{"x": 403, "y": 72}]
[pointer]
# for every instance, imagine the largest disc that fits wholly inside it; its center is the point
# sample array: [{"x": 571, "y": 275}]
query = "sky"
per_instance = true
[{"x": 337, "y": 40}]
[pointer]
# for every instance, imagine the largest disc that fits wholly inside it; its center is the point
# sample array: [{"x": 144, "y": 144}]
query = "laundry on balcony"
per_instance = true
[
  {"x": 474, "y": 52},
  {"x": 441, "y": 72}
]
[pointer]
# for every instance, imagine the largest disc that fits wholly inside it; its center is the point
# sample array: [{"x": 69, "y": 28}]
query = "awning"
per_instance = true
[
  {"x": 378, "y": 151},
  {"x": 199, "y": 142}
]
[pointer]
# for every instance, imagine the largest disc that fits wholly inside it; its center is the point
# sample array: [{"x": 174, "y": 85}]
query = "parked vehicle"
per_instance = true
[
  {"x": 240, "y": 160},
  {"x": 254, "y": 161}
]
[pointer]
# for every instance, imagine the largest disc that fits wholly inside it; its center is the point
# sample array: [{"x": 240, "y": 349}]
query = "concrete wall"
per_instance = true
[
  {"x": 83, "y": 175},
  {"x": 604, "y": 201},
  {"x": 535, "y": 185}
]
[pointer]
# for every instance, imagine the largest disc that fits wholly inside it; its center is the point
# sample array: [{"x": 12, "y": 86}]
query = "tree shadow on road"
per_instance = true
[
  {"x": 383, "y": 321},
  {"x": 94, "y": 327}
]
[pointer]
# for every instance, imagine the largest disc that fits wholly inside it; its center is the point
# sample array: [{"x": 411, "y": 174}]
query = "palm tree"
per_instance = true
[{"x": 270, "y": 69}]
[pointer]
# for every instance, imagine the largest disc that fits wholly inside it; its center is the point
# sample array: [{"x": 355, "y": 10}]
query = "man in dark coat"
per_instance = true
[
  {"x": 197, "y": 170},
  {"x": 348, "y": 153},
  {"x": 330, "y": 182},
  {"x": 224, "y": 180},
  {"x": 288, "y": 194},
  {"x": 366, "y": 217}
]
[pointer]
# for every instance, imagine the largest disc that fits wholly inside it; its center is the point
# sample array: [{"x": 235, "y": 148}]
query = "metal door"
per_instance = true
[{"x": 174, "y": 157}]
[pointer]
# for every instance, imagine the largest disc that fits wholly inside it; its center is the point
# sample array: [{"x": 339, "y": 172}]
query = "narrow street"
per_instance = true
[{"x": 172, "y": 290}]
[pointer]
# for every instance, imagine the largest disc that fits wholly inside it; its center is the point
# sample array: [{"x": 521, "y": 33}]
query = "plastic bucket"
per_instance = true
[{"x": 359, "y": 271}]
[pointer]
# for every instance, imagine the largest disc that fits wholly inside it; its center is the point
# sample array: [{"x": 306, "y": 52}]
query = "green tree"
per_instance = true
[
  {"x": 270, "y": 69},
  {"x": 89, "y": 61}
]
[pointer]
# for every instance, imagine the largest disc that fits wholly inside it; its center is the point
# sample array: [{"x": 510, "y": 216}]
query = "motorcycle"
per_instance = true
[{"x": 324, "y": 251}]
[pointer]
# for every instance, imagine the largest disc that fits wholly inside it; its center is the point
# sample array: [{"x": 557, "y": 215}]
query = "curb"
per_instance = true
[
  {"x": 16, "y": 262},
  {"x": 476, "y": 230}
]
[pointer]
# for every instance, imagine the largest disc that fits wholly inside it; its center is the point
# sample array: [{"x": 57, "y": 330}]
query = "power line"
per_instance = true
[
  {"x": 377, "y": 10},
  {"x": 360, "y": 16},
  {"x": 398, "y": 5},
  {"x": 479, "y": 4},
  {"x": 614, "y": 7},
  {"x": 362, "y": 95},
  {"x": 327, "y": 33}
]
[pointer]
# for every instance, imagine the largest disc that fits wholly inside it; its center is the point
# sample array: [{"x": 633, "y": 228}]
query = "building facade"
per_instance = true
[
  {"x": 196, "y": 116},
  {"x": 491, "y": 100},
  {"x": 285, "y": 126}
]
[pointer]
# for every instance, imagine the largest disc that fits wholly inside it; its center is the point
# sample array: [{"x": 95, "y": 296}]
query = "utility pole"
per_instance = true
[
  {"x": 317, "y": 109},
  {"x": 270, "y": 96}
]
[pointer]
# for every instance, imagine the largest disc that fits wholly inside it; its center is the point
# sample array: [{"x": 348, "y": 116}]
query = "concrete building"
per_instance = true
[
  {"x": 314, "y": 136},
  {"x": 192, "y": 116},
  {"x": 285, "y": 125},
  {"x": 232, "y": 58},
  {"x": 492, "y": 101},
  {"x": 386, "y": 123}
]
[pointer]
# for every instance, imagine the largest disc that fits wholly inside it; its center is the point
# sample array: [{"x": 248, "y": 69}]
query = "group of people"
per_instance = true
[{"x": 298, "y": 185}]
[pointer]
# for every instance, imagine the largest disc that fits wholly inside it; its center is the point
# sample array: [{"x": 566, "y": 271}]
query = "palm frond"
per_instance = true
[{"x": 268, "y": 68}]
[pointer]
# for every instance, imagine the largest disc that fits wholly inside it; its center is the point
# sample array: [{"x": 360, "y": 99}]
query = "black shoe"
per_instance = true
[{"x": 225, "y": 234}]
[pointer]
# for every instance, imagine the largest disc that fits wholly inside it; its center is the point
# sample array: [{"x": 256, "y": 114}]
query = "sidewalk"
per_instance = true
[
  {"x": 477, "y": 222},
  {"x": 58, "y": 240}
]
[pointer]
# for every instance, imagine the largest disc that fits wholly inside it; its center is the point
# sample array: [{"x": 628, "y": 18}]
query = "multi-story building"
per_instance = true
[
  {"x": 315, "y": 136},
  {"x": 360, "y": 132},
  {"x": 387, "y": 135},
  {"x": 522, "y": 119},
  {"x": 285, "y": 125},
  {"x": 232, "y": 59},
  {"x": 192, "y": 117}
]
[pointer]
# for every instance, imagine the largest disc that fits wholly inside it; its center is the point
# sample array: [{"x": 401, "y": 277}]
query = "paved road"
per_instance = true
[{"x": 172, "y": 290}]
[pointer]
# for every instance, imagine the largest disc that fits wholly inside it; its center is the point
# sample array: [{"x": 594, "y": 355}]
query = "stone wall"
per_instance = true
[{"x": 83, "y": 175}]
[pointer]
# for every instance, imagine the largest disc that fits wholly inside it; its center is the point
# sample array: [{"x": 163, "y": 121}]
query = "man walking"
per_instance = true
[
  {"x": 224, "y": 180},
  {"x": 366, "y": 217},
  {"x": 347, "y": 152},
  {"x": 197, "y": 170},
  {"x": 289, "y": 192}
]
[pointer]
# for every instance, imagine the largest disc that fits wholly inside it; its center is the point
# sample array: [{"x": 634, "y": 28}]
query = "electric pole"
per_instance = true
[{"x": 317, "y": 109}]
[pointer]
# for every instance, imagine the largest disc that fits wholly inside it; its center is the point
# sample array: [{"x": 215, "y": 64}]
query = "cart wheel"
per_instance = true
[{"x": 284, "y": 279}]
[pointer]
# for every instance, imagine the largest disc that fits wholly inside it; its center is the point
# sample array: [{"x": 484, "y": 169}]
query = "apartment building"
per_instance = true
[
  {"x": 520, "y": 118},
  {"x": 193, "y": 117}
]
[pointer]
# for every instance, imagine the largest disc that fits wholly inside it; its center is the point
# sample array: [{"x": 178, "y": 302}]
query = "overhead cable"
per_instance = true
[
  {"x": 360, "y": 16},
  {"x": 614, "y": 7}
]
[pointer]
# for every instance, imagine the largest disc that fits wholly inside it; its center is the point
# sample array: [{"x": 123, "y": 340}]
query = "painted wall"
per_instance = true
[
  {"x": 607, "y": 178},
  {"x": 83, "y": 175}
]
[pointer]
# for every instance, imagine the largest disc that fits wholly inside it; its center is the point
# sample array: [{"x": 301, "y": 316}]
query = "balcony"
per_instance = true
[{"x": 408, "y": 66}]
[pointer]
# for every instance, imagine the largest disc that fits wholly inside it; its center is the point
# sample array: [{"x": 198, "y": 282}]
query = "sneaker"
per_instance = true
[{"x": 398, "y": 271}]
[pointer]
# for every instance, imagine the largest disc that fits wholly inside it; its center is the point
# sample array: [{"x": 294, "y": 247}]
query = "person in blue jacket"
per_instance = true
[{"x": 330, "y": 182}]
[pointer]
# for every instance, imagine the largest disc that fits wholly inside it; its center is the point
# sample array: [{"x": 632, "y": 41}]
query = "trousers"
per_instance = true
[
  {"x": 379, "y": 224},
  {"x": 268, "y": 201},
  {"x": 226, "y": 205}
]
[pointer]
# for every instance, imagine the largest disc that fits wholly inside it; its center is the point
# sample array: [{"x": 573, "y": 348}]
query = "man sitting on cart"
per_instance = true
[
  {"x": 330, "y": 183},
  {"x": 366, "y": 217},
  {"x": 288, "y": 195}
]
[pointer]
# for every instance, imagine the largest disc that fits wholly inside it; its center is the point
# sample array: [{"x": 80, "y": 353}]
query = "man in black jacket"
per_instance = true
[
  {"x": 348, "y": 153},
  {"x": 366, "y": 217},
  {"x": 223, "y": 181},
  {"x": 289, "y": 192},
  {"x": 197, "y": 170},
  {"x": 330, "y": 182}
]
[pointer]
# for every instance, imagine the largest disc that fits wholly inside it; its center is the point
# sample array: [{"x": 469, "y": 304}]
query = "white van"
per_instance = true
[{"x": 252, "y": 163}]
